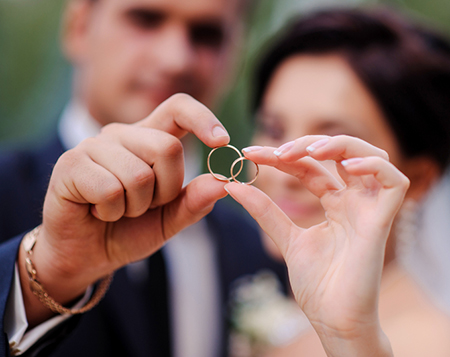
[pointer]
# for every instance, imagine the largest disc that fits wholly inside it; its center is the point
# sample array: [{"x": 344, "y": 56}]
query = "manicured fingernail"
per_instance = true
[
  {"x": 252, "y": 148},
  {"x": 218, "y": 131},
  {"x": 317, "y": 145},
  {"x": 226, "y": 189},
  {"x": 284, "y": 148},
  {"x": 352, "y": 161}
]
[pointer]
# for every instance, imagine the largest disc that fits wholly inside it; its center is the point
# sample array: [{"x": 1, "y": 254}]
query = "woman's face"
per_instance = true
[{"x": 315, "y": 94}]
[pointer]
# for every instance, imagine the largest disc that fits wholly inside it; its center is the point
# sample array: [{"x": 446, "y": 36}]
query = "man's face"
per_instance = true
[{"x": 131, "y": 55}]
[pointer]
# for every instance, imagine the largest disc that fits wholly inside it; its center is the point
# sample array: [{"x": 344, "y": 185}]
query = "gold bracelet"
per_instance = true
[{"x": 38, "y": 290}]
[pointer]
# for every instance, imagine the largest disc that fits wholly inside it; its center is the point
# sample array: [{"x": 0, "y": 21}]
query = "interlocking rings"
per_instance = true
[
  {"x": 220, "y": 178},
  {"x": 233, "y": 175},
  {"x": 240, "y": 159}
]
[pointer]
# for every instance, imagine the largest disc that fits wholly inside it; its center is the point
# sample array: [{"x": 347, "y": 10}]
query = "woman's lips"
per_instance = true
[{"x": 296, "y": 210}]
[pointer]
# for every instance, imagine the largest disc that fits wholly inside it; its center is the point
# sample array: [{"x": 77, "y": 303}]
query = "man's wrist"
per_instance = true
[
  {"x": 62, "y": 289},
  {"x": 39, "y": 291},
  {"x": 20, "y": 337}
]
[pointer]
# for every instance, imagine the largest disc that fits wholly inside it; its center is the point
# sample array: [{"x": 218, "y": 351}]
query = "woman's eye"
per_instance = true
[{"x": 272, "y": 131}]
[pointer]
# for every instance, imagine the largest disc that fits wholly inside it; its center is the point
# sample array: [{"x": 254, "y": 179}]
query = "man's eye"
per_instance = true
[
  {"x": 145, "y": 19},
  {"x": 207, "y": 35}
]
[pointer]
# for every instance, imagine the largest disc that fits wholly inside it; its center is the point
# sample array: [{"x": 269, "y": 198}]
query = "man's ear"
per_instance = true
[
  {"x": 422, "y": 172},
  {"x": 75, "y": 26}
]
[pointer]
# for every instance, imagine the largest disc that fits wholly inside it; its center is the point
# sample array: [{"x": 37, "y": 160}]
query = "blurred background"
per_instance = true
[{"x": 35, "y": 78}]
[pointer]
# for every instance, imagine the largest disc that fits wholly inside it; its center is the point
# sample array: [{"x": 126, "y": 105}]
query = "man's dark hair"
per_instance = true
[{"x": 405, "y": 67}]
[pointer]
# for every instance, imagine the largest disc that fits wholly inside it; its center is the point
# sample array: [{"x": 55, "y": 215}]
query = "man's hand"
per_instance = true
[{"x": 118, "y": 197}]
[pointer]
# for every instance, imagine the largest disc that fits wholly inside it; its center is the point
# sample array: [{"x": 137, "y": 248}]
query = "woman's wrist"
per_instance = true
[{"x": 364, "y": 342}]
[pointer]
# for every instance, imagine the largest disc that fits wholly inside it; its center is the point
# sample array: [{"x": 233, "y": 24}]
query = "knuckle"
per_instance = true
[
  {"x": 172, "y": 147},
  {"x": 69, "y": 157},
  {"x": 406, "y": 182},
  {"x": 180, "y": 98},
  {"x": 307, "y": 138},
  {"x": 340, "y": 137},
  {"x": 112, "y": 129},
  {"x": 112, "y": 192},
  {"x": 187, "y": 105},
  {"x": 203, "y": 115},
  {"x": 376, "y": 160},
  {"x": 87, "y": 144},
  {"x": 179, "y": 102},
  {"x": 384, "y": 154},
  {"x": 69, "y": 160},
  {"x": 341, "y": 140},
  {"x": 142, "y": 178}
]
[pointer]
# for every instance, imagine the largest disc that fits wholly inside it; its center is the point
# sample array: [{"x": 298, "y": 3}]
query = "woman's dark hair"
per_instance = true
[{"x": 404, "y": 66}]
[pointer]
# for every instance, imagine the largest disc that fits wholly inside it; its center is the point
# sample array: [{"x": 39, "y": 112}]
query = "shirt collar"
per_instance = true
[{"x": 77, "y": 124}]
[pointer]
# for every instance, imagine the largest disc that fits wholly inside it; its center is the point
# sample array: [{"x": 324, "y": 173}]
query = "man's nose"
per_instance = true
[{"x": 175, "y": 53}]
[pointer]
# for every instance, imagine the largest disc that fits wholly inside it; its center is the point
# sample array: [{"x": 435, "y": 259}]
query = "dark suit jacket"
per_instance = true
[{"x": 130, "y": 320}]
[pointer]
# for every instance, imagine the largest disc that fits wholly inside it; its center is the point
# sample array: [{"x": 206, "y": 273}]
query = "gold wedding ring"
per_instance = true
[
  {"x": 221, "y": 178},
  {"x": 240, "y": 159},
  {"x": 233, "y": 175}
]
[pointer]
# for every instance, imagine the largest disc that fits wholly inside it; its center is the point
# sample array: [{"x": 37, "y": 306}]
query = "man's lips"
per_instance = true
[
  {"x": 160, "y": 93},
  {"x": 163, "y": 90}
]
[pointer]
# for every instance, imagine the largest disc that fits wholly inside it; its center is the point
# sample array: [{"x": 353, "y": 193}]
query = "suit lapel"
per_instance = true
[
  {"x": 141, "y": 317},
  {"x": 8, "y": 255}
]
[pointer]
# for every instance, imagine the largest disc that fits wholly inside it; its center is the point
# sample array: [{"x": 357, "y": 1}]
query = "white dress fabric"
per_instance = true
[{"x": 428, "y": 257}]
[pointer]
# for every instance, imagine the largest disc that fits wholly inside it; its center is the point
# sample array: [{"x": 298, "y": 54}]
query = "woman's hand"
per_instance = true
[{"x": 334, "y": 267}]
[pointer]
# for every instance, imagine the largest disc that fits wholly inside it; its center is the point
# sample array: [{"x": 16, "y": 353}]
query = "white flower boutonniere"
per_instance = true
[{"x": 262, "y": 316}]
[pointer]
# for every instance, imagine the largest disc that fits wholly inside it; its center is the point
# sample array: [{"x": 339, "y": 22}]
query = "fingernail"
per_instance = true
[
  {"x": 218, "y": 131},
  {"x": 352, "y": 161},
  {"x": 252, "y": 148},
  {"x": 317, "y": 145},
  {"x": 226, "y": 189},
  {"x": 284, "y": 148}
]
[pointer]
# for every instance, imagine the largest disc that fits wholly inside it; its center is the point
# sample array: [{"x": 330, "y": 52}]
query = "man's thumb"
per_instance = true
[{"x": 195, "y": 201}]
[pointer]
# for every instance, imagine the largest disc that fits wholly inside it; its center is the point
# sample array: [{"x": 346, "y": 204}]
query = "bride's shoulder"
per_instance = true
[{"x": 415, "y": 325}]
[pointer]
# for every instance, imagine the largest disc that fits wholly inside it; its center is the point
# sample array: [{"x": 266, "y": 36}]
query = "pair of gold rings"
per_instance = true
[{"x": 233, "y": 176}]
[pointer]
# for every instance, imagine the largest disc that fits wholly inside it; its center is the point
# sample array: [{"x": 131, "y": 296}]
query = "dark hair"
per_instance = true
[{"x": 404, "y": 66}]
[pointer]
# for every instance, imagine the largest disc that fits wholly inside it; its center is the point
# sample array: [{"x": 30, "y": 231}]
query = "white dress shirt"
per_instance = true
[{"x": 190, "y": 260}]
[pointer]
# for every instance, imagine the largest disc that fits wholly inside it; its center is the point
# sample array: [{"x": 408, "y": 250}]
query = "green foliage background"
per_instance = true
[{"x": 35, "y": 78}]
